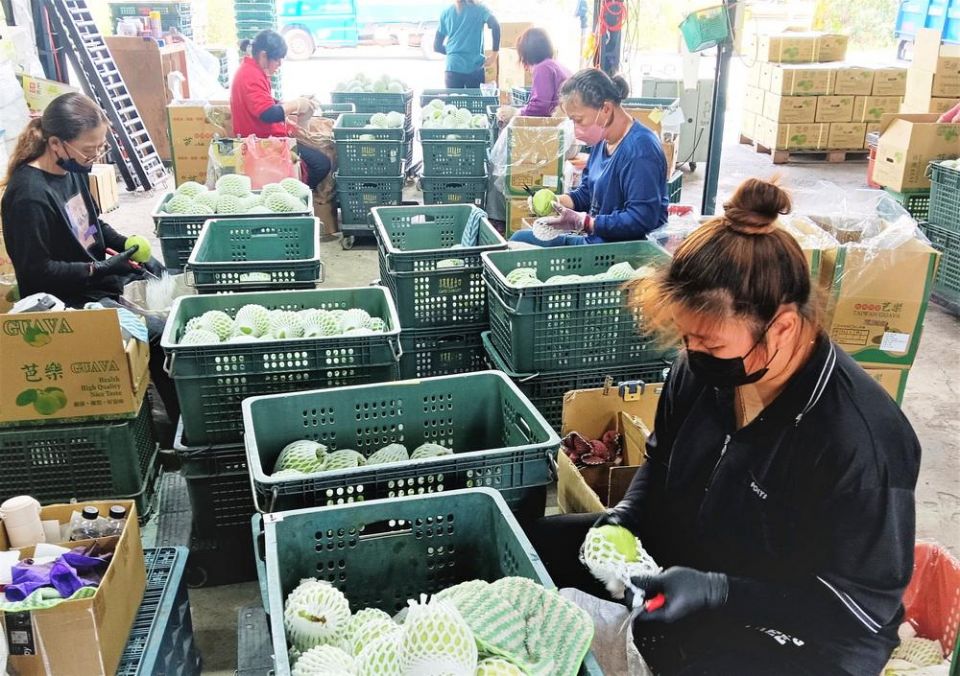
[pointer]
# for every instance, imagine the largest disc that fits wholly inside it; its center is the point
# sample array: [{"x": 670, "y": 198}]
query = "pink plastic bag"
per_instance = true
[
  {"x": 932, "y": 599},
  {"x": 268, "y": 160}
]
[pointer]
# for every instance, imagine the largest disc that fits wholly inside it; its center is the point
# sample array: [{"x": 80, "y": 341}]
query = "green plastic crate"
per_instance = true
[
  {"x": 546, "y": 390},
  {"x": 367, "y": 152},
  {"x": 255, "y": 255},
  {"x": 944, "y": 211},
  {"x": 455, "y": 152},
  {"x": 358, "y": 194},
  {"x": 947, "y": 242},
  {"x": 675, "y": 187},
  {"x": 499, "y": 439},
  {"x": 382, "y": 102},
  {"x": 176, "y": 251},
  {"x": 474, "y": 100},
  {"x": 705, "y": 28},
  {"x": 916, "y": 203},
  {"x": 218, "y": 484},
  {"x": 181, "y": 225},
  {"x": 565, "y": 327},
  {"x": 381, "y": 554},
  {"x": 455, "y": 190},
  {"x": 441, "y": 351},
  {"x": 432, "y": 283},
  {"x": 333, "y": 111},
  {"x": 519, "y": 96},
  {"x": 114, "y": 459}
]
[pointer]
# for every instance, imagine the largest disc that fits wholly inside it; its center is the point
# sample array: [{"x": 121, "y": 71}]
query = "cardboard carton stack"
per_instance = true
[
  {"x": 507, "y": 71},
  {"x": 802, "y": 96},
  {"x": 933, "y": 79},
  {"x": 535, "y": 151}
]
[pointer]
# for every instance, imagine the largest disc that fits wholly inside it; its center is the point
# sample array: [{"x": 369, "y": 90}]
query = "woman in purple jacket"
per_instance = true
[{"x": 536, "y": 54}]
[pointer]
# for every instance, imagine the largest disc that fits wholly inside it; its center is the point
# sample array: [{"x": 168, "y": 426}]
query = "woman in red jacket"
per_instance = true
[{"x": 253, "y": 107}]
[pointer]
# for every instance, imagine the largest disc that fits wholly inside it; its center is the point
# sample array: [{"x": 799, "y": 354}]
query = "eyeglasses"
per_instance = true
[{"x": 99, "y": 152}]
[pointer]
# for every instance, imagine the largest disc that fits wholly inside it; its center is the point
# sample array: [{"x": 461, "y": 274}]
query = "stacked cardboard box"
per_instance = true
[
  {"x": 933, "y": 79},
  {"x": 908, "y": 143},
  {"x": 801, "y": 95},
  {"x": 193, "y": 127}
]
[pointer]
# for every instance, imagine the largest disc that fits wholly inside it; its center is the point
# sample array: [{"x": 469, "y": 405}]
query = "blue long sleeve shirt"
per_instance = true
[{"x": 625, "y": 192}]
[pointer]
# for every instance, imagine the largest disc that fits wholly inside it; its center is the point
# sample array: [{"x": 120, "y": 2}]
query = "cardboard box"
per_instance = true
[
  {"x": 754, "y": 73},
  {"x": 921, "y": 102},
  {"x": 753, "y": 101},
  {"x": 748, "y": 126},
  {"x": 790, "y": 109},
  {"x": 191, "y": 131},
  {"x": 766, "y": 75},
  {"x": 793, "y": 136},
  {"x": 878, "y": 300},
  {"x": 938, "y": 86},
  {"x": 103, "y": 187},
  {"x": 38, "y": 92},
  {"x": 510, "y": 32},
  {"x": 931, "y": 56},
  {"x": 801, "y": 47},
  {"x": 81, "y": 636},
  {"x": 873, "y": 108},
  {"x": 535, "y": 176},
  {"x": 872, "y": 127},
  {"x": 832, "y": 47},
  {"x": 853, "y": 81},
  {"x": 908, "y": 143},
  {"x": 61, "y": 366},
  {"x": 807, "y": 80},
  {"x": 517, "y": 209},
  {"x": 834, "y": 109},
  {"x": 631, "y": 411},
  {"x": 846, "y": 135},
  {"x": 535, "y": 153},
  {"x": 512, "y": 73},
  {"x": 889, "y": 81},
  {"x": 491, "y": 67},
  {"x": 894, "y": 381}
]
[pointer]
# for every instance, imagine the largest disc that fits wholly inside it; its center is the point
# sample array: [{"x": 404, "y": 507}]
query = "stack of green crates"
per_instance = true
[
  {"x": 253, "y": 16},
  {"x": 557, "y": 337},
  {"x": 384, "y": 102},
  {"x": 370, "y": 173},
  {"x": 455, "y": 160},
  {"x": 434, "y": 277},
  {"x": 943, "y": 230}
]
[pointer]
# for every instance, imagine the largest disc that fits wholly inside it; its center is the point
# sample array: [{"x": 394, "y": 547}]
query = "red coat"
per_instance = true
[{"x": 250, "y": 96}]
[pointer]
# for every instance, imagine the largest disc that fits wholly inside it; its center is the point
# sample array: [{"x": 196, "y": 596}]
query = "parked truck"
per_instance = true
[
  {"x": 309, "y": 24},
  {"x": 942, "y": 15}
]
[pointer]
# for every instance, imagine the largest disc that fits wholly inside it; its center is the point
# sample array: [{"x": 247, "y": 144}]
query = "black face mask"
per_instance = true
[
  {"x": 73, "y": 166},
  {"x": 730, "y": 372}
]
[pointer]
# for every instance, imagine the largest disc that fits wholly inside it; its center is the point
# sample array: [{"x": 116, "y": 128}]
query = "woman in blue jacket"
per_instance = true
[{"x": 623, "y": 195}]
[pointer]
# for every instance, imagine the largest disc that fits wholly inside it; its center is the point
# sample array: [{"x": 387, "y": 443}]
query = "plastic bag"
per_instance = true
[
  {"x": 681, "y": 222},
  {"x": 204, "y": 69},
  {"x": 268, "y": 160},
  {"x": 932, "y": 599},
  {"x": 530, "y": 152},
  {"x": 613, "y": 645}
]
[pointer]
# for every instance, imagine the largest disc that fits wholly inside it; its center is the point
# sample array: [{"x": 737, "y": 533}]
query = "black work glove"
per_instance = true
[
  {"x": 687, "y": 591},
  {"x": 154, "y": 267},
  {"x": 115, "y": 265}
]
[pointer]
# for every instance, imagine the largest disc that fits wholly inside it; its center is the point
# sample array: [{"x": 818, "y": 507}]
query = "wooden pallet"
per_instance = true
[{"x": 808, "y": 156}]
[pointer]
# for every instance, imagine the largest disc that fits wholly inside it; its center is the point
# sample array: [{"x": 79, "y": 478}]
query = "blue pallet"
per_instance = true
[{"x": 161, "y": 641}]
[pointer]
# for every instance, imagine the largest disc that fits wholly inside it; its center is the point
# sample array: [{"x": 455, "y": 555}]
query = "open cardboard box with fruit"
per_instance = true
[
  {"x": 627, "y": 410},
  {"x": 83, "y": 635}
]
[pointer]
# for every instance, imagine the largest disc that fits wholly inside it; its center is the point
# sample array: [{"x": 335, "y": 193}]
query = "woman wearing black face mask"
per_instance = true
[
  {"x": 778, "y": 492},
  {"x": 52, "y": 227}
]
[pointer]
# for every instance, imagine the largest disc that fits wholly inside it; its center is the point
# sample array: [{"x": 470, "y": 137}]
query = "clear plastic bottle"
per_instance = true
[
  {"x": 88, "y": 527},
  {"x": 115, "y": 520}
]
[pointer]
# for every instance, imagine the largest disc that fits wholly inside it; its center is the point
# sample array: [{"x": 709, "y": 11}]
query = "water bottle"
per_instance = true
[
  {"x": 115, "y": 521},
  {"x": 87, "y": 528}
]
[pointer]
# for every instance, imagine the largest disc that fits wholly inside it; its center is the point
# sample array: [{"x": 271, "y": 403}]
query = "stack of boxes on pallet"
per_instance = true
[
  {"x": 801, "y": 96},
  {"x": 532, "y": 152},
  {"x": 455, "y": 160},
  {"x": 570, "y": 333},
  {"x": 943, "y": 230},
  {"x": 75, "y": 421},
  {"x": 933, "y": 78},
  {"x": 371, "y": 161},
  {"x": 430, "y": 261}
]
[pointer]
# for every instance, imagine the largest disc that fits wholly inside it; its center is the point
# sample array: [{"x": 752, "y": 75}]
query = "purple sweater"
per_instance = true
[{"x": 548, "y": 77}]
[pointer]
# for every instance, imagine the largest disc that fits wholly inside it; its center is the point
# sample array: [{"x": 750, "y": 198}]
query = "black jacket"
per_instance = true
[
  {"x": 809, "y": 509},
  {"x": 40, "y": 213}
]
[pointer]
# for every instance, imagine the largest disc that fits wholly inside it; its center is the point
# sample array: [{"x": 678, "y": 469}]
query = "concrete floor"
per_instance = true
[{"x": 930, "y": 403}]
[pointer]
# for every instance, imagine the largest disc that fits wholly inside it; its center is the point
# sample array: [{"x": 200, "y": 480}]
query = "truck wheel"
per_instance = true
[{"x": 300, "y": 45}]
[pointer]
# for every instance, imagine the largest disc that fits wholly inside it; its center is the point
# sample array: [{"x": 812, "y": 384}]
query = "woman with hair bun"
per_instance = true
[
  {"x": 623, "y": 195},
  {"x": 778, "y": 490}
]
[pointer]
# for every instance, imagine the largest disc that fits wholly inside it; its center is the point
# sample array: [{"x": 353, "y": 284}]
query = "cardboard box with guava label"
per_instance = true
[
  {"x": 892, "y": 380},
  {"x": 878, "y": 299},
  {"x": 64, "y": 366}
]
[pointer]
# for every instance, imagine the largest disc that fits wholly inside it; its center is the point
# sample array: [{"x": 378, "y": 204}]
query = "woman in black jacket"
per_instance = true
[
  {"x": 778, "y": 492},
  {"x": 52, "y": 227}
]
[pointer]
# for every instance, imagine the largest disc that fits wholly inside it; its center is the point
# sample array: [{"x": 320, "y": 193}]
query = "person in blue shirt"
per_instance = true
[
  {"x": 623, "y": 195},
  {"x": 460, "y": 37}
]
